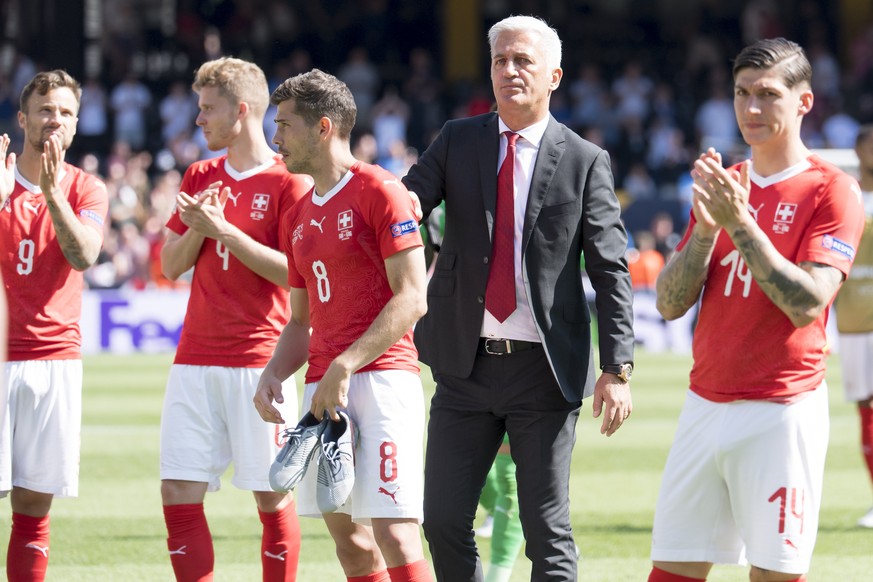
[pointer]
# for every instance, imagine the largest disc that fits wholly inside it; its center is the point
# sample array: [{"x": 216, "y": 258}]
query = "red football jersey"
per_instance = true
[
  {"x": 744, "y": 347},
  {"x": 43, "y": 290},
  {"x": 235, "y": 316},
  {"x": 336, "y": 246}
]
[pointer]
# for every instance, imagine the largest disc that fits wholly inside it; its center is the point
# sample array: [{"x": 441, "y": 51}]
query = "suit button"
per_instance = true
[
  {"x": 485, "y": 260},
  {"x": 480, "y": 299}
]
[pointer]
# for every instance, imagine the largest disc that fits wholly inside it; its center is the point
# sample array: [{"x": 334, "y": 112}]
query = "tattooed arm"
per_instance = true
[
  {"x": 681, "y": 280},
  {"x": 79, "y": 243},
  {"x": 802, "y": 292}
]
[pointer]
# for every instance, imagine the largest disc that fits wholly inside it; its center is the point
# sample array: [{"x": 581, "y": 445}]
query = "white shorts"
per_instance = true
[
  {"x": 856, "y": 356},
  {"x": 743, "y": 483},
  {"x": 209, "y": 420},
  {"x": 388, "y": 408},
  {"x": 43, "y": 410}
]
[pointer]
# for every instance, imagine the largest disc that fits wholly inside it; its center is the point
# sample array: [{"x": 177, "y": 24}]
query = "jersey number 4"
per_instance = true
[{"x": 223, "y": 254}]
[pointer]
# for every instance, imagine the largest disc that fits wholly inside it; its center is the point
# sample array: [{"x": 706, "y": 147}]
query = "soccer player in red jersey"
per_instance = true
[
  {"x": 770, "y": 241},
  {"x": 51, "y": 229},
  {"x": 854, "y": 311},
  {"x": 357, "y": 275},
  {"x": 226, "y": 226}
]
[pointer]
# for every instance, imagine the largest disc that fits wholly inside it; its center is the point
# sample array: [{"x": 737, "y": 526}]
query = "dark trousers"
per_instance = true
[{"x": 514, "y": 394}]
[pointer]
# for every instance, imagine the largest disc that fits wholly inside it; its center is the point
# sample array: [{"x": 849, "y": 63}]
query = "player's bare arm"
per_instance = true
[
  {"x": 7, "y": 172},
  {"x": 681, "y": 280},
  {"x": 290, "y": 354},
  {"x": 407, "y": 278},
  {"x": 802, "y": 292},
  {"x": 179, "y": 252},
  {"x": 79, "y": 243},
  {"x": 206, "y": 216}
]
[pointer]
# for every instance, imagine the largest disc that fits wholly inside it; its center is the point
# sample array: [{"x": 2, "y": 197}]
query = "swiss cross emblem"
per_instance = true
[
  {"x": 261, "y": 202},
  {"x": 344, "y": 224},
  {"x": 344, "y": 220},
  {"x": 785, "y": 213}
]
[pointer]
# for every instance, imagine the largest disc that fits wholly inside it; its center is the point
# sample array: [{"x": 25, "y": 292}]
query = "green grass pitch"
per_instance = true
[{"x": 114, "y": 531}]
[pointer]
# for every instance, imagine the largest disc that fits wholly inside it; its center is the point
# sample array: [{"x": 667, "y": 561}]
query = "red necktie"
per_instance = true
[{"x": 500, "y": 291}]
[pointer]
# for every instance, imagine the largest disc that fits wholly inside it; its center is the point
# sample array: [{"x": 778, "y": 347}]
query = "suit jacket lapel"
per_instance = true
[
  {"x": 487, "y": 148},
  {"x": 551, "y": 150}
]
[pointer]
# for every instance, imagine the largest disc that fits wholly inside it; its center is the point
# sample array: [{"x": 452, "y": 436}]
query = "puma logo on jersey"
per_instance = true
[
  {"x": 31, "y": 207},
  {"x": 233, "y": 198},
  {"x": 390, "y": 494},
  {"x": 179, "y": 552},
  {"x": 280, "y": 556},
  {"x": 395, "y": 182},
  {"x": 41, "y": 550},
  {"x": 318, "y": 224},
  {"x": 754, "y": 211}
]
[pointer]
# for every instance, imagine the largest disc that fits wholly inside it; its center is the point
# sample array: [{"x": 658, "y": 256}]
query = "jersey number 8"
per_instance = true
[{"x": 323, "y": 283}]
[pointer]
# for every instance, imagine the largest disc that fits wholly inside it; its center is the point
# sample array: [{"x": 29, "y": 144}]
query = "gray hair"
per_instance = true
[{"x": 551, "y": 42}]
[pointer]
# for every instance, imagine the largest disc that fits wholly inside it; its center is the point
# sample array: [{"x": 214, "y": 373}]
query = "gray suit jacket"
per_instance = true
[{"x": 572, "y": 210}]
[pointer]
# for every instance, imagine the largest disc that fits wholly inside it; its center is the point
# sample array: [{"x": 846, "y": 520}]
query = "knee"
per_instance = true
[
  {"x": 32, "y": 503},
  {"x": 398, "y": 540},
  {"x": 182, "y": 492},
  {"x": 358, "y": 555},
  {"x": 761, "y": 575},
  {"x": 270, "y": 501}
]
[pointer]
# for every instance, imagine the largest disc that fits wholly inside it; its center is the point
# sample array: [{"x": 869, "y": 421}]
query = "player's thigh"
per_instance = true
[
  {"x": 693, "y": 519},
  {"x": 388, "y": 407},
  {"x": 42, "y": 434},
  {"x": 856, "y": 358},
  {"x": 775, "y": 478},
  {"x": 254, "y": 442}
]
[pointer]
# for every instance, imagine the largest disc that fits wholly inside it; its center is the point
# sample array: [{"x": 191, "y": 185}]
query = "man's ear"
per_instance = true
[
  {"x": 325, "y": 126},
  {"x": 806, "y": 101}
]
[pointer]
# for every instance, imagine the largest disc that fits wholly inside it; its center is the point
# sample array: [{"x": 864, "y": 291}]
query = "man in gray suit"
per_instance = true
[{"x": 521, "y": 362}]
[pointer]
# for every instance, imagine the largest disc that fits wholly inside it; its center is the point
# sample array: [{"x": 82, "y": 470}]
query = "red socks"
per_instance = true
[
  {"x": 658, "y": 575},
  {"x": 280, "y": 544},
  {"x": 189, "y": 542},
  {"x": 416, "y": 572},
  {"x": 867, "y": 436},
  {"x": 27, "y": 556},
  {"x": 381, "y": 576}
]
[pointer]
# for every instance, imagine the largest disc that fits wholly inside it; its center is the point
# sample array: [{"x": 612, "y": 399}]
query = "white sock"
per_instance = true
[{"x": 498, "y": 573}]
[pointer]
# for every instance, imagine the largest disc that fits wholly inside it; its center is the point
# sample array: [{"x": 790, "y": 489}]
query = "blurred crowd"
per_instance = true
[{"x": 653, "y": 110}]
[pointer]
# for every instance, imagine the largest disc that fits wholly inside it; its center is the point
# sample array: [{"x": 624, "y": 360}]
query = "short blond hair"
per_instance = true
[{"x": 236, "y": 80}]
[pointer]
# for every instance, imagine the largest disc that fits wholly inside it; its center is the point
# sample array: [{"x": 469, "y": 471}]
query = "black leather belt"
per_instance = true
[{"x": 501, "y": 347}]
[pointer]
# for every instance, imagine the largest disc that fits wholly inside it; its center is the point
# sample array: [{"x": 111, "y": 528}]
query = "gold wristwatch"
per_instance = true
[{"x": 623, "y": 371}]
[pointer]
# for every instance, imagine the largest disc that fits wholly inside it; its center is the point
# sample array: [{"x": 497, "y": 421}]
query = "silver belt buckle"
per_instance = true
[{"x": 504, "y": 342}]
